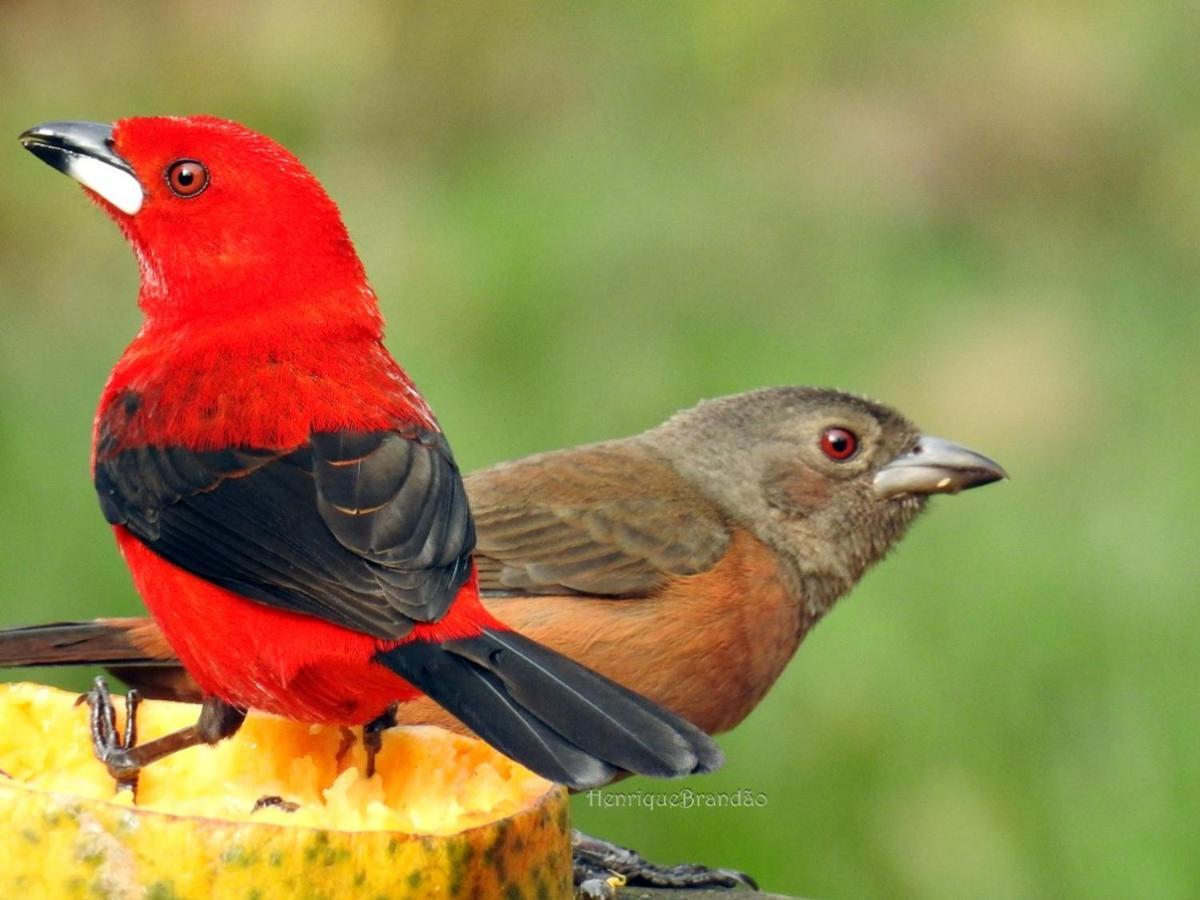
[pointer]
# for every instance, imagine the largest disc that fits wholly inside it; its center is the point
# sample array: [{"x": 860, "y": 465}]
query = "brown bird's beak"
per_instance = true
[
  {"x": 84, "y": 150},
  {"x": 936, "y": 466}
]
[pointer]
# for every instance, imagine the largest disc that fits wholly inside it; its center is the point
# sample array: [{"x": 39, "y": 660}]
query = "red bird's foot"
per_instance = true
[
  {"x": 121, "y": 754},
  {"x": 373, "y": 735},
  {"x": 348, "y": 740},
  {"x": 110, "y": 746},
  {"x": 596, "y": 862}
]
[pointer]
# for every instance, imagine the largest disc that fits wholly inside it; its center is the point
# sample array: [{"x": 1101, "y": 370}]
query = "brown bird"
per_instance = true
[{"x": 724, "y": 534}]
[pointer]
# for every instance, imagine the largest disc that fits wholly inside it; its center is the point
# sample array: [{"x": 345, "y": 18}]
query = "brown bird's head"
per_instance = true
[{"x": 828, "y": 479}]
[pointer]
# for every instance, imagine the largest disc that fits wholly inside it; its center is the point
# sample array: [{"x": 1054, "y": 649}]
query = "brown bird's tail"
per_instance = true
[
  {"x": 100, "y": 642},
  {"x": 562, "y": 720},
  {"x": 132, "y": 649}
]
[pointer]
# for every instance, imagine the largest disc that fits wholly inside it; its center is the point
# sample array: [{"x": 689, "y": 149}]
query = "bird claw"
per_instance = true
[
  {"x": 346, "y": 744},
  {"x": 109, "y": 745},
  {"x": 372, "y": 736},
  {"x": 596, "y": 861}
]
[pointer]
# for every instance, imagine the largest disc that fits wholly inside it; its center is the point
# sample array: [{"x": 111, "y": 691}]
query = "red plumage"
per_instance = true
[
  {"x": 259, "y": 657},
  {"x": 284, "y": 498},
  {"x": 277, "y": 337}
]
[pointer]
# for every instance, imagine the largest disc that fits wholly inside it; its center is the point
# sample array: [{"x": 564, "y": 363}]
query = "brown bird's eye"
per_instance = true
[
  {"x": 838, "y": 444},
  {"x": 187, "y": 178}
]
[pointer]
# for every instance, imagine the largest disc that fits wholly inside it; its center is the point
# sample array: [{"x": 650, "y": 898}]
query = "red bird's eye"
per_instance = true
[
  {"x": 187, "y": 178},
  {"x": 838, "y": 444}
]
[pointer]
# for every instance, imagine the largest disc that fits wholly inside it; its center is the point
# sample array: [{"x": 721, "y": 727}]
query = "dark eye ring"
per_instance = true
[
  {"x": 187, "y": 178},
  {"x": 839, "y": 444}
]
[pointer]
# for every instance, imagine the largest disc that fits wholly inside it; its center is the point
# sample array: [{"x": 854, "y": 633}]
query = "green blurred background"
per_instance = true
[{"x": 582, "y": 217}]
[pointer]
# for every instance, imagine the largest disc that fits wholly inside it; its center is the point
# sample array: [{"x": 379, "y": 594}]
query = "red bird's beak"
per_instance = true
[
  {"x": 936, "y": 466},
  {"x": 84, "y": 150}
]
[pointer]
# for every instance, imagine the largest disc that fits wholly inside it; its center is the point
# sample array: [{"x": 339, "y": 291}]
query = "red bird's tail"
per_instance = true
[{"x": 562, "y": 720}]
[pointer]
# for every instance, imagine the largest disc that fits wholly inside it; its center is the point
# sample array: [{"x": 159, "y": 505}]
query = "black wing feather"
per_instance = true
[{"x": 368, "y": 530}]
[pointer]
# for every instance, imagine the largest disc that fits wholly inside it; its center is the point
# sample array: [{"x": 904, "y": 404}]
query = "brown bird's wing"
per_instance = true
[{"x": 611, "y": 520}]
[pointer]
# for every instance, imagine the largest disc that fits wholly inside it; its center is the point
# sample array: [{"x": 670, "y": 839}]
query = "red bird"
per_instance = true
[{"x": 288, "y": 507}]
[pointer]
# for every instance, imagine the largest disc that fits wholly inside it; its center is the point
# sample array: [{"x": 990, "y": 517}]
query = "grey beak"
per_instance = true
[
  {"x": 936, "y": 466},
  {"x": 84, "y": 150}
]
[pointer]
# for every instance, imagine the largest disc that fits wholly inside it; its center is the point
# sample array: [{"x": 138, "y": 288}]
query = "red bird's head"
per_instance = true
[{"x": 224, "y": 221}]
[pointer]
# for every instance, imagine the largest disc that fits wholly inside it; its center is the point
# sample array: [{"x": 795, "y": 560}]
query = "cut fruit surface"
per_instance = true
[{"x": 445, "y": 815}]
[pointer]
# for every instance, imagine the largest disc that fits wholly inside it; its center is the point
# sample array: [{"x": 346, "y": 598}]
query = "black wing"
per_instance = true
[{"x": 368, "y": 530}]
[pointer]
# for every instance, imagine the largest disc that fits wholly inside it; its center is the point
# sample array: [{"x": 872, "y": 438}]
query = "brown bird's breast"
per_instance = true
[{"x": 708, "y": 646}]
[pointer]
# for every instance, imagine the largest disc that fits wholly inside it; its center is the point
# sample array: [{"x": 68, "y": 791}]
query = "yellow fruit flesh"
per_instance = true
[{"x": 444, "y": 815}]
